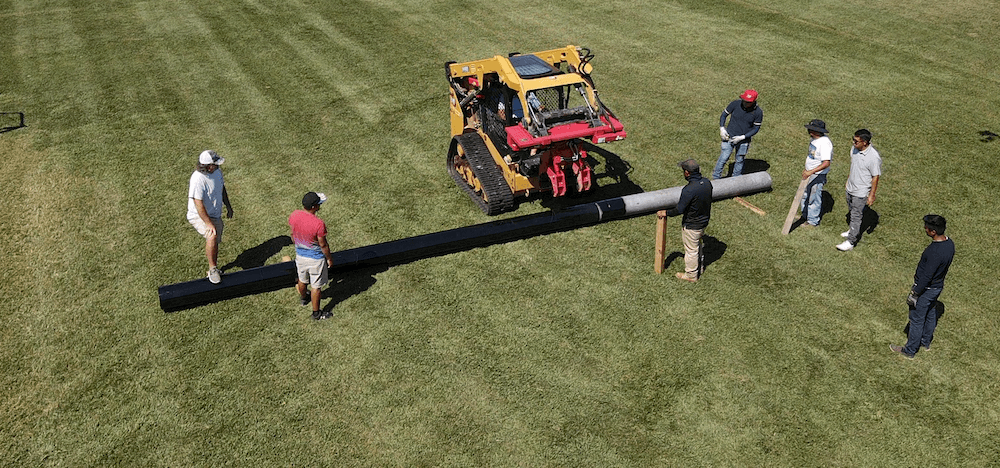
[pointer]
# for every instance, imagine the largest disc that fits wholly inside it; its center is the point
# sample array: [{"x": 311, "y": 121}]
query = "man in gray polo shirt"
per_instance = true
[{"x": 866, "y": 167}]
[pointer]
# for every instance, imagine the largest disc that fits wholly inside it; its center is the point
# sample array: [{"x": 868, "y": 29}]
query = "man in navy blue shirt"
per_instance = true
[
  {"x": 695, "y": 203},
  {"x": 745, "y": 117},
  {"x": 928, "y": 282}
]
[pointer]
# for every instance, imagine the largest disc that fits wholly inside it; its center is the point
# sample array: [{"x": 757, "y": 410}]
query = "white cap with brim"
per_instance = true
[{"x": 209, "y": 157}]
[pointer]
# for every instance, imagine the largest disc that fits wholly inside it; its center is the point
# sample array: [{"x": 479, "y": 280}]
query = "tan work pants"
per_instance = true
[{"x": 691, "y": 238}]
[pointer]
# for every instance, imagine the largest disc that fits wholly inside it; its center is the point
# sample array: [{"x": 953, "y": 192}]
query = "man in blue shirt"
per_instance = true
[
  {"x": 745, "y": 117},
  {"x": 928, "y": 282}
]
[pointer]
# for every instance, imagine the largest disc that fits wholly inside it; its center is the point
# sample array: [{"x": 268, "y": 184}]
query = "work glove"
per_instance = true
[
  {"x": 911, "y": 299},
  {"x": 723, "y": 133},
  {"x": 736, "y": 139}
]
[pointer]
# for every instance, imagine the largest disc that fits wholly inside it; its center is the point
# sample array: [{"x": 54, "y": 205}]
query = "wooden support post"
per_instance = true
[
  {"x": 661, "y": 240},
  {"x": 795, "y": 207}
]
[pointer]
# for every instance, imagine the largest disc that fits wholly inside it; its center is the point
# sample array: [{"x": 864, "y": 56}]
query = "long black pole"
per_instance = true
[{"x": 267, "y": 278}]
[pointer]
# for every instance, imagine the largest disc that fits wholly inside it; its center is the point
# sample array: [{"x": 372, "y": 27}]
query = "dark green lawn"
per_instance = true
[{"x": 557, "y": 350}]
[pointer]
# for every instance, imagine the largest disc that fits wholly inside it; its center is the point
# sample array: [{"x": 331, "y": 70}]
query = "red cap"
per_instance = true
[{"x": 749, "y": 95}]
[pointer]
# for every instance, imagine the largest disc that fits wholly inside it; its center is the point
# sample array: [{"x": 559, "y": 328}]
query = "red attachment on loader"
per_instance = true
[{"x": 518, "y": 137}]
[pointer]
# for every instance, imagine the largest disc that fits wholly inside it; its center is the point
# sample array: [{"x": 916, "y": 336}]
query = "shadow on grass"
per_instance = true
[
  {"x": 749, "y": 167},
  {"x": 755, "y": 165},
  {"x": 616, "y": 169},
  {"x": 827, "y": 204},
  {"x": 11, "y": 121},
  {"x": 826, "y": 207},
  {"x": 256, "y": 256},
  {"x": 346, "y": 284},
  {"x": 869, "y": 217},
  {"x": 712, "y": 250},
  {"x": 869, "y": 221},
  {"x": 670, "y": 258}
]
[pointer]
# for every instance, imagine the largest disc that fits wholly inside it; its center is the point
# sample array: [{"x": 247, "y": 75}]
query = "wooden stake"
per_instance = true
[
  {"x": 793, "y": 210},
  {"x": 661, "y": 241},
  {"x": 749, "y": 205}
]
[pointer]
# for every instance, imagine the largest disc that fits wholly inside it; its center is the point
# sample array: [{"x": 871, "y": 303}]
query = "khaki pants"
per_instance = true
[{"x": 691, "y": 238}]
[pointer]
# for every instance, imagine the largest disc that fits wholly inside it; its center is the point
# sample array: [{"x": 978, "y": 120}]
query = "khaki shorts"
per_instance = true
[
  {"x": 312, "y": 271},
  {"x": 199, "y": 226}
]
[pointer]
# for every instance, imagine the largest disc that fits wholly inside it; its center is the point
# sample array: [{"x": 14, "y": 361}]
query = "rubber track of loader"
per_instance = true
[{"x": 501, "y": 198}]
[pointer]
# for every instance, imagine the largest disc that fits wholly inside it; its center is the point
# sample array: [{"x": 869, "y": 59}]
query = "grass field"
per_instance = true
[{"x": 557, "y": 350}]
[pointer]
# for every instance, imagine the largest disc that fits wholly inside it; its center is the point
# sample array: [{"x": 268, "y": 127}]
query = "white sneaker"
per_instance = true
[
  {"x": 845, "y": 246},
  {"x": 214, "y": 275},
  {"x": 845, "y": 234}
]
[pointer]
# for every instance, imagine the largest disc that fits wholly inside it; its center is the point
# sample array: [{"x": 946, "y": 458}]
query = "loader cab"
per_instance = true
[
  {"x": 554, "y": 96},
  {"x": 530, "y": 67},
  {"x": 501, "y": 103},
  {"x": 505, "y": 100},
  {"x": 496, "y": 99}
]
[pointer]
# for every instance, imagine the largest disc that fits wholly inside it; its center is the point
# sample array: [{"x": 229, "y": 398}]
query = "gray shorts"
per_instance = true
[{"x": 312, "y": 271}]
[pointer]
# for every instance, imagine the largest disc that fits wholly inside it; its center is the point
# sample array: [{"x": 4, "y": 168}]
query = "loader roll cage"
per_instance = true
[
  {"x": 553, "y": 95},
  {"x": 548, "y": 107}
]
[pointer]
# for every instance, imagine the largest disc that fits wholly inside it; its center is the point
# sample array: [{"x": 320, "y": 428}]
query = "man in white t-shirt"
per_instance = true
[
  {"x": 206, "y": 196},
  {"x": 817, "y": 167}
]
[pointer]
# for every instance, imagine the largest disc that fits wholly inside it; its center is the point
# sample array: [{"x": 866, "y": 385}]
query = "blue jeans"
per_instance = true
[
  {"x": 727, "y": 150},
  {"x": 813, "y": 193},
  {"x": 923, "y": 321}
]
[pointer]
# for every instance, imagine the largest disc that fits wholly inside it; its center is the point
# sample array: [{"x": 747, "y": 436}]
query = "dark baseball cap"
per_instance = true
[{"x": 312, "y": 199}]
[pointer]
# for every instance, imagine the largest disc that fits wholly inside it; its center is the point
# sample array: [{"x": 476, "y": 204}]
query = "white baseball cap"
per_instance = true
[{"x": 209, "y": 157}]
